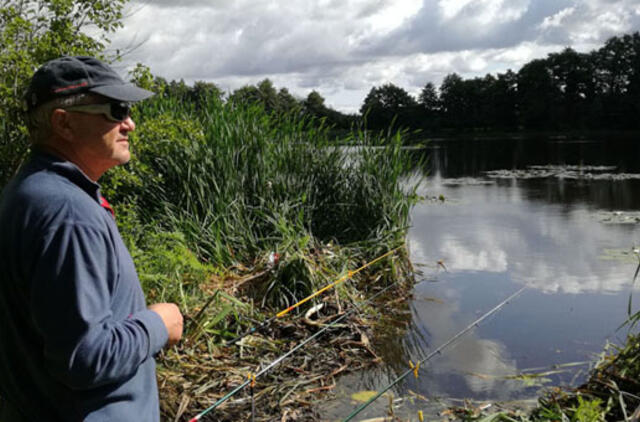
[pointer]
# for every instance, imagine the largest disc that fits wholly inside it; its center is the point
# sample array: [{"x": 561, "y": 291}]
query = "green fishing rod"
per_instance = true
[
  {"x": 432, "y": 354},
  {"x": 274, "y": 363},
  {"x": 285, "y": 311}
]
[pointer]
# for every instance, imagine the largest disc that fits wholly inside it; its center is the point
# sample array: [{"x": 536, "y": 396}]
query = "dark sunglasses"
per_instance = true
[{"x": 117, "y": 112}]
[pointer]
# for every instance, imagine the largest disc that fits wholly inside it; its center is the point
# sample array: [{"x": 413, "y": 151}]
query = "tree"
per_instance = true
[
  {"x": 430, "y": 103},
  {"x": 33, "y": 32},
  {"x": 248, "y": 94},
  {"x": 314, "y": 105},
  {"x": 428, "y": 98},
  {"x": 504, "y": 97},
  {"x": 268, "y": 94},
  {"x": 204, "y": 93},
  {"x": 537, "y": 95},
  {"x": 264, "y": 93},
  {"x": 572, "y": 76},
  {"x": 454, "y": 100},
  {"x": 383, "y": 104},
  {"x": 618, "y": 81},
  {"x": 286, "y": 102},
  {"x": 141, "y": 76}
]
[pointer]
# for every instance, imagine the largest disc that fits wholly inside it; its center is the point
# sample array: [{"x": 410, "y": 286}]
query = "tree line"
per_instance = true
[{"x": 566, "y": 91}]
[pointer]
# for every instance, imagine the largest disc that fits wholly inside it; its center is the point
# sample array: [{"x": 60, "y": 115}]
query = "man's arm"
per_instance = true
[{"x": 71, "y": 302}]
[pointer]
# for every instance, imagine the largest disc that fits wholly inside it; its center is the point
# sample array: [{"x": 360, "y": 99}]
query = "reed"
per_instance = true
[{"x": 239, "y": 183}]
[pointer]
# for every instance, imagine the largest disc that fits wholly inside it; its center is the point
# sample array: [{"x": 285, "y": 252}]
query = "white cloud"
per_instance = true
[
  {"x": 556, "y": 20},
  {"x": 482, "y": 12}
]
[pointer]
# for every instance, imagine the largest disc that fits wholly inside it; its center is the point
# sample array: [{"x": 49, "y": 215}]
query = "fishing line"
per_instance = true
[
  {"x": 286, "y": 355},
  {"x": 282, "y": 313},
  {"x": 435, "y": 352}
]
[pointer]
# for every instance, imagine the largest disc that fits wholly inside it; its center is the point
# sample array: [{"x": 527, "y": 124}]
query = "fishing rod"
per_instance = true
[
  {"x": 414, "y": 369},
  {"x": 282, "y": 313},
  {"x": 251, "y": 379}
]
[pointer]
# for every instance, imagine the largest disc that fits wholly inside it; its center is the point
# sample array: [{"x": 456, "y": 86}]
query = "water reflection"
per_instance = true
[
  {"x": 540, "y": 244},
  {"x": 494, "y": 236},
  {"x": 473, "y": 365}
]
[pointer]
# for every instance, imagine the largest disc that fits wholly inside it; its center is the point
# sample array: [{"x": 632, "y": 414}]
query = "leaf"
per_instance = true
[
  {"x": 635, "y": 276},
  {"x": 363, "y": 396}
]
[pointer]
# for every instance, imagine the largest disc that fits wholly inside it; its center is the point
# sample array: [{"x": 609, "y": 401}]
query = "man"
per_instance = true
[{"x": 77, "y": 342}]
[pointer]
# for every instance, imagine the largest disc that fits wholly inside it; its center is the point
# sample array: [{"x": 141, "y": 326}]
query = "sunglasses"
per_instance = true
[{"x": 116, "y": 112}]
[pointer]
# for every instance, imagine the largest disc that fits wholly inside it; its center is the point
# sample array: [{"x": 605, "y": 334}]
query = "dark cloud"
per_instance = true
[
  {"x": 370, "y": 9},
  {"x": 429, "y": 32}
]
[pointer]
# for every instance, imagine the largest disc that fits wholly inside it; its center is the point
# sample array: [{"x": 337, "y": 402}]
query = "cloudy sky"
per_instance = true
[{"x": 341, "y": 48}]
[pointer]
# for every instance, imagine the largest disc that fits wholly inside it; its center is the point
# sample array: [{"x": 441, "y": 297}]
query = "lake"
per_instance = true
[{"x": 558, "y": 216}]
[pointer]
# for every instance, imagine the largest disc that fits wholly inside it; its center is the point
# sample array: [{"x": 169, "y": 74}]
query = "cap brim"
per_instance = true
[{"x": 128, "y": 93}]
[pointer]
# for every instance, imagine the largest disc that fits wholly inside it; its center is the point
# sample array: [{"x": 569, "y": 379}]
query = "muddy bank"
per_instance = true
[{"x": 194, "y": 375}]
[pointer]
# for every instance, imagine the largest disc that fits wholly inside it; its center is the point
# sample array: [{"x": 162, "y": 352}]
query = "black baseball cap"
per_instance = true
[{"x": 73, "y": 75}]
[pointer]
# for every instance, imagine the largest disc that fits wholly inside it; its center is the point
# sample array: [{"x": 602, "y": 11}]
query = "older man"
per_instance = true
[{"x": 77, "y": 342}]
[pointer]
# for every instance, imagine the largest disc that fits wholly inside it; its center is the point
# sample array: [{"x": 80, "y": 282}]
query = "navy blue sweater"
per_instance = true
[{"x": 76, "y": 339}]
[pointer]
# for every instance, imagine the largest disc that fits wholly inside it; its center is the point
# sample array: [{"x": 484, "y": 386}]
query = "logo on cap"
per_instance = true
[{"x": 66, "y": 88}]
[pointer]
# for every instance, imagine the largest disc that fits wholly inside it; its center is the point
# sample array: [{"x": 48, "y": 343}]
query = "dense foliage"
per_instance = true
[{"x": 238, "y": 173}]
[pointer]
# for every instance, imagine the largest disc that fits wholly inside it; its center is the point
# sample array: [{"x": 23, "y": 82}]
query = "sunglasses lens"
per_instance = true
[{"x": 120, "y": 111}]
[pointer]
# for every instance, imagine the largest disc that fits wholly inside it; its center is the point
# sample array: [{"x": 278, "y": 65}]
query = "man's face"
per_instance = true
[{"x": 99, "y": 142}]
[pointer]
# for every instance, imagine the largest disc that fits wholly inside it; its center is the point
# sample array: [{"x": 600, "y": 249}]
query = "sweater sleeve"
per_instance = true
[{"x": 71, "y": 302}]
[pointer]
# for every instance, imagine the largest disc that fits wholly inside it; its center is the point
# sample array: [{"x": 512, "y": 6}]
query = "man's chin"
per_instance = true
[{"x": 123, "y": 159}]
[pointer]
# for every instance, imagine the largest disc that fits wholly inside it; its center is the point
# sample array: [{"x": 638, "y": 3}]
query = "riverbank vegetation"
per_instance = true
[{"x": 234, "y": 211}]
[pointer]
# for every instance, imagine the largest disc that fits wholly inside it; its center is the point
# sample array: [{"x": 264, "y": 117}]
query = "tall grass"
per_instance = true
[{"x": 239, "y": 182}]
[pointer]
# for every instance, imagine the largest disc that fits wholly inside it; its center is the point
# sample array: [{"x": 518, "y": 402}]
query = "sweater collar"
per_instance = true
[{"x": 68, "y": 170}]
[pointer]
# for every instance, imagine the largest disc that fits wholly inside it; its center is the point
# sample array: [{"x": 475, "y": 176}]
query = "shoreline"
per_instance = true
[{"x": 192, "y": 377}]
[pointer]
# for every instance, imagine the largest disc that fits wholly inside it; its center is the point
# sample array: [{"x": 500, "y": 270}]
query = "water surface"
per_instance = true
[{"x": 565, "y": 231}]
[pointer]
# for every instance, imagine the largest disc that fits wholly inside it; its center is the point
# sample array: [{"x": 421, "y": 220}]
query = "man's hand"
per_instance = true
[{"x": 172, "y": 319}]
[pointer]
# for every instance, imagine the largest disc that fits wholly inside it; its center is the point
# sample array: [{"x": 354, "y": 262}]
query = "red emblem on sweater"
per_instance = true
[{"x": 106, "y": 205}]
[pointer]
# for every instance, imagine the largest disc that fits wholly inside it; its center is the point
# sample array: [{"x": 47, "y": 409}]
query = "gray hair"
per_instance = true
[{"x": 39, "y": 119}]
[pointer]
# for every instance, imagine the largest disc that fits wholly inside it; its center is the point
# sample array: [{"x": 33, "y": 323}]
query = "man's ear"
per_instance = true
[{"x": 60, "y": 124}]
